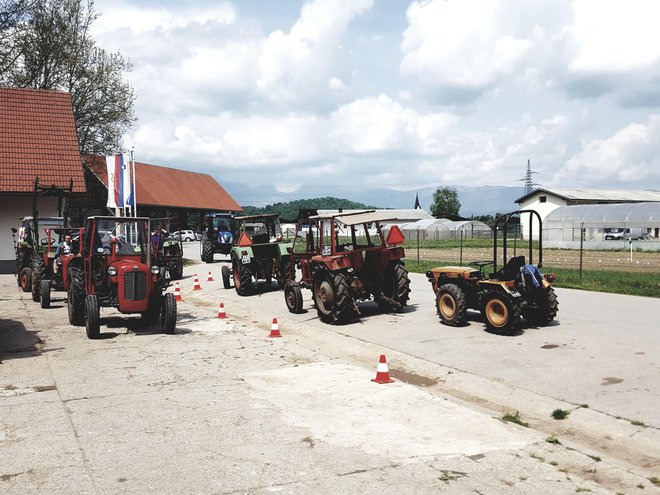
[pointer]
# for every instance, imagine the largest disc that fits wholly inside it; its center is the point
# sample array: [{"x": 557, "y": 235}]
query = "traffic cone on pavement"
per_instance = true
[
  {"x": 177, "y": 292},
  {"x": 196, "y": 285},
  {"x": 209, "y": 278},
  {"x": 382, "y": 373},
  {"x": 275, "y": 329},
  {"x": 221, "y": 311}
]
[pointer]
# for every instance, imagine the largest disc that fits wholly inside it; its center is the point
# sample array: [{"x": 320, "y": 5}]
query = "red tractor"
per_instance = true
[
  {"x": 345, "y": 258},
  {"x": 115, "y": 269},
  {"x": 50, "y": 266}
]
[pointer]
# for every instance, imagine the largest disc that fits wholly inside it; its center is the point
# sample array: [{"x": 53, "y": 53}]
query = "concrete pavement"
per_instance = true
[{"x": 221, "y": 408}]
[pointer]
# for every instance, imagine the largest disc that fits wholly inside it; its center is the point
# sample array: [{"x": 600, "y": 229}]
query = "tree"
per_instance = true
[
  {"x": 50, "y": 47},
  {"x": 445, "y": 203}
]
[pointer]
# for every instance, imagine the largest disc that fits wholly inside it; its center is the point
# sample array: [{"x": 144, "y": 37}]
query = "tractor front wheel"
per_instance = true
[
  {"x": 76, "y": 297},
  {"x": 168, "y": 315},
  {"x": 226, "y": 277},
  {"x": 44, "y": 293},
  {"x": 501, "y": 313},
  {"x": 38, "y": 274},
  {"x": 451, "y": 305},
  {"x": 293, "y": 297},
  {"x": 92, "y": 317},
  {"x": 25, "y": 279}
]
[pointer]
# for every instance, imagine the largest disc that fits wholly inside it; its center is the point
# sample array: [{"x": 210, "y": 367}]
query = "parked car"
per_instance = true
[
  {"x": 186, "y": 235},
  {"x": 626, "y": 234}
]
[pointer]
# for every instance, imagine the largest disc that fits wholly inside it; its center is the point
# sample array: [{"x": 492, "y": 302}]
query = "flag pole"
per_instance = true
[{"x": 133, "y": 179}]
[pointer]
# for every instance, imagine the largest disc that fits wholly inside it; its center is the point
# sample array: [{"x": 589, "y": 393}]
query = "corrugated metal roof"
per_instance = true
[
  {"x": 38, "y": 138},
  {"x": 359, "y": 217},
  {"x": 609, "y": 215},
  {"x": 404, "y": 214},
  {"x": 170, "y": 187},
  {"x": 596, "y": 195}
]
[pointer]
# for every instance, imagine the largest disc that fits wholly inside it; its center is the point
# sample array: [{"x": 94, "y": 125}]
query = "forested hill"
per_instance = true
[{"x": 288, "y": 211}]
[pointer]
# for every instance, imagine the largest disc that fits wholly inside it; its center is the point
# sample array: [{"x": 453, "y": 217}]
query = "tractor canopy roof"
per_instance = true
[
  {"x": 358, "y": 217},
  {"x": 256, "y": 217}
]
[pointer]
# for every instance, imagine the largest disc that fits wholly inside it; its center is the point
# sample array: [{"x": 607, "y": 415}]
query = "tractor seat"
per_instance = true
[{"x": 511, "y": 269}]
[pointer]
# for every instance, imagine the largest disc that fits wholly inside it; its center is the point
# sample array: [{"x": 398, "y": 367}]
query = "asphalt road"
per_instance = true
[{"x": 602, "y": 350}]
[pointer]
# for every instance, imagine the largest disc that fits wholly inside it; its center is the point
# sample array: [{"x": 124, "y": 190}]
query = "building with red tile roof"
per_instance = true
[
  {"x": 166, "y": 188},
  {"x": 37, "y": 139}
]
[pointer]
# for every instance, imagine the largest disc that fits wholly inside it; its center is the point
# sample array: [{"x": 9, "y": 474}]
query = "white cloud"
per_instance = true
[
  {"x": 615, "y": 36},
  {"x": 461, "y": 44},
  {"x": 631, "y": 155}
]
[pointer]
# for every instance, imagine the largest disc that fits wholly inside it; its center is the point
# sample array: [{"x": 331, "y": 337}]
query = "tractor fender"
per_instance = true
[
  {"x": 284, "y": 248},
  {"x": 500, "y": 286},
  {"x": 241, "y": 251}
]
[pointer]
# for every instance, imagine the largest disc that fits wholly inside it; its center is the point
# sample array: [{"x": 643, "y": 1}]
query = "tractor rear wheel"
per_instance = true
[
  {"x": 76, "y": 297},
  {"x": 38, "y": 274},
  {"x": 25, "y": 279},
  {"x": 396, "y": 286},
  {"x": 545, "y": 308},
  {"x": 168, "y": 314},
  {"x": 451, "y": 305},
  {"x": 44, "y": 293},
  {"x": 242, "y": 278},
  {"x": 226, "y": 277},
  {"x": 207, "y": 251},
  {"x": 332, "y": 297},
  {"x": 501, "y": 313},
  {"x": 92, "y": 317},
  {"x": 293, "y": 297}
]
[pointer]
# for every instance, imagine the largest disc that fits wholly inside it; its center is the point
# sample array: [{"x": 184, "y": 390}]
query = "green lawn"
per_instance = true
[{"x": 637, "y": 284}]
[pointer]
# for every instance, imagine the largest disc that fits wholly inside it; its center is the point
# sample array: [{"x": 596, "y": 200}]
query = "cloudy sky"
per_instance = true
[{"x": 395, "y": 93}]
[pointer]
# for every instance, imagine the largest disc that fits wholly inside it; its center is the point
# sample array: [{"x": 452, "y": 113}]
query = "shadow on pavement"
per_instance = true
[{"x": 16, "y": 341}]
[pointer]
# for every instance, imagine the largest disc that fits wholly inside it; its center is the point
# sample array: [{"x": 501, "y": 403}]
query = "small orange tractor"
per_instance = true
[{"x": 518, "y": 289}]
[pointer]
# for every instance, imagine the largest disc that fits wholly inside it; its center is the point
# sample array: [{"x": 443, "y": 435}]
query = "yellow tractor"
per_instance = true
[{"x": 517, "y": 290}]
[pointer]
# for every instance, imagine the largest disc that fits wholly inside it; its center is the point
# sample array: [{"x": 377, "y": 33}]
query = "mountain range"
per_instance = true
[{"x": 478, "y": 200}]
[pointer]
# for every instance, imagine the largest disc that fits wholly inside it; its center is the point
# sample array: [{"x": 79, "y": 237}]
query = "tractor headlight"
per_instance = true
[
  {"x": 112, "y": 270},
  {"x": 155, "y": 269}
]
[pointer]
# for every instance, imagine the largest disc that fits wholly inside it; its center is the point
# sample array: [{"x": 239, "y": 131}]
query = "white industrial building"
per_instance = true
[{"x": 572, "y": 216}]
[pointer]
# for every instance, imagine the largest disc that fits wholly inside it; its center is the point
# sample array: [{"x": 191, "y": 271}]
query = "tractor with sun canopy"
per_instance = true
[
  {"x": 516, "y": 290},
  {"x": 345, "y": 258}
]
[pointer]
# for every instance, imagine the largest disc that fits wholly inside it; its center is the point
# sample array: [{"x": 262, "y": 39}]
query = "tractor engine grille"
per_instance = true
[{"x": 135, "y": 286}]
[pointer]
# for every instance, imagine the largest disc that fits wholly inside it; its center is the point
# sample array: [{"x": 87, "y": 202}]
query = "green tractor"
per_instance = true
[
  {"x": 260, "y": 253},
  {"x": 517, "y": 290},
  {"x": 218, "y": 236}
]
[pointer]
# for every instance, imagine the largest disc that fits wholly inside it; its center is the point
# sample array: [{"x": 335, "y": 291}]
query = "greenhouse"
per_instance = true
[
  {"x": 442, "y": 228},
  {"x": 603, "y": 223}
]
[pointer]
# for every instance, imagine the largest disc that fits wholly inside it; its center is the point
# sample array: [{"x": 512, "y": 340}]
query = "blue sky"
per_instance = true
[{"x": 393, "y": 93}]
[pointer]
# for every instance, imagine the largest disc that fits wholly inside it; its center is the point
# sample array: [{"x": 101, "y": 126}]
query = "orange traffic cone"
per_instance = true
[
  {"x": 275, "y": 329},
  {"x": 209, "y": 278},
  {"x": 177, "y": 292},
  {"x": 382, "y": 373},
  {"x": 196, "y": 285},
  {"x": 221, "y": 311}
]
